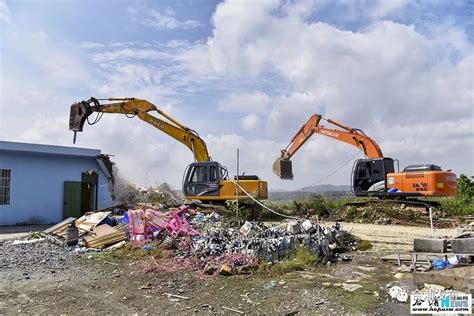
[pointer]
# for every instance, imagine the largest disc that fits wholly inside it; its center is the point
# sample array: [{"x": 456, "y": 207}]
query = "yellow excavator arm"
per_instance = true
[{"x": 131, "y": 107}]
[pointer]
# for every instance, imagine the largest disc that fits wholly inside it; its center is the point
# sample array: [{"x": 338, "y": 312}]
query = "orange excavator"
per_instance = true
[{"x": 375, "y": 175}]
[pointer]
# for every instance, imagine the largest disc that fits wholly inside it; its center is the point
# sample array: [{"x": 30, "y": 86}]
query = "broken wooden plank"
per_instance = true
[
  {"x": 91, "y": 220},
  {"x": 59, "y": 226}
]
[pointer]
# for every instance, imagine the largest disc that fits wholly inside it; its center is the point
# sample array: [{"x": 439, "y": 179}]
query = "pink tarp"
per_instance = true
[{"x": 143, "y": 223}]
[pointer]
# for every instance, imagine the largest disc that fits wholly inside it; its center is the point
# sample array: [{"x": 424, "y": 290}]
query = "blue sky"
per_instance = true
[{"x": 244, "y": 74}]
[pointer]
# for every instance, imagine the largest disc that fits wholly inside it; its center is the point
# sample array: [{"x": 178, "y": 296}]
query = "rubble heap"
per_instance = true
[{"x": 202, "y": 241}]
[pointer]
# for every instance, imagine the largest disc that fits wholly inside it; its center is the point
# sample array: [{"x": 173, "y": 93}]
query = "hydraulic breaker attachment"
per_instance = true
[
  {"x": 283, "y": 168},
  {"x": 77, "y": 117}
]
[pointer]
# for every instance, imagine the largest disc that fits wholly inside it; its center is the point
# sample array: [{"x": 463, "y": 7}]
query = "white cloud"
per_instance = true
[
  {"x": 150, "y": 54},
  {"x": 166, "y": 20},
  {"x": 410, "y": 91},
  {"x": 385, "y": 7},
  {"x": 245, "y": 102},
  {"x": 250, "y": 122},
  {"x": 5, "y": 14}
]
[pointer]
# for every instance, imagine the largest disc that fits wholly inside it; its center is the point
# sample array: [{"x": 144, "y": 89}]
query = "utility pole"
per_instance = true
[{"x": 237, "y": 187}]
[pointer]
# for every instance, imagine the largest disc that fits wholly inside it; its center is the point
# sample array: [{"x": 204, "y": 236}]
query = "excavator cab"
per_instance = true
[
  {"x": 368, "y": 175},
  {"x": 203, "y": 178}
]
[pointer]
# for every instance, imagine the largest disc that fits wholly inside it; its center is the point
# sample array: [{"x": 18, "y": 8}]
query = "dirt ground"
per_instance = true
[{"x": 97, "y": 283}]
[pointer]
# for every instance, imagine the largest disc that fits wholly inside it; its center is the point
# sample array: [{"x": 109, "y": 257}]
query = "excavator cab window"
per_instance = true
[
  {"x": 199, "y": 174},
  {"x": 212, "y": 173},
  {"x": 202, "y": 179},
  {"x": 368, "y": 172}
]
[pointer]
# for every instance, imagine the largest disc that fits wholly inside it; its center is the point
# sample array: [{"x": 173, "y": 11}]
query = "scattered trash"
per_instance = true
[
  {"x": 226, "y": 270},
  {"x": 148, "y": 247},
  {"x": 245, "y": 229},
  {"x": 351, "y": 287},
  {"x": 294, "y": 227},
  {"x": 72, "y": 234},
  {"x": 31, "y": 241},
  {"x": 433, "y": 287},
  {"x": 404, "y": 268},
  {"x": 270, "y": 286},
  {"x": 146, "y": 286},
  {"x": 176, "y": 296},
  {"x": 440, "y": 264},
  {"x": 233, "y": 310},
  {"x": 346, "y": 258},
  {"x": 398, "y": 275}
]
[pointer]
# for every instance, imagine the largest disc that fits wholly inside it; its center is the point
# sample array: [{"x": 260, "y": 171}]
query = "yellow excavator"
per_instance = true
[{"x": 204, "y": 180}]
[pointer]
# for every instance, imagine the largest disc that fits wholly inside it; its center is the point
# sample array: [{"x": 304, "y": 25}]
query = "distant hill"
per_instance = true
[{"x": 321, "y": 189}]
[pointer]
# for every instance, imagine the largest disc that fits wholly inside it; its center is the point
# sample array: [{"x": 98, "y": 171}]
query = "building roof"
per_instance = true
[{"x": 48, "y": 149}]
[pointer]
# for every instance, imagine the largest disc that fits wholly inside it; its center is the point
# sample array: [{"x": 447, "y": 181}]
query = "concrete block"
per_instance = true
[
  {"x": 293, "y": 227},
  {"x": 430, "y": 245},
  {"x": 462, "y": 245}
]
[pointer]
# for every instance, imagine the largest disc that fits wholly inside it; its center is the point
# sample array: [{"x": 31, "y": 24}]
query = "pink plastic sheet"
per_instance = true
[{"x": 143, "y": 223}]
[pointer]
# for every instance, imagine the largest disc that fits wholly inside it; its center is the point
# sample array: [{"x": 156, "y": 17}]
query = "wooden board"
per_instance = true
[
  {"x": 91, "y": 220},
  {"x": 103, "y": 235},
  {"x": 59, "y": 227}
]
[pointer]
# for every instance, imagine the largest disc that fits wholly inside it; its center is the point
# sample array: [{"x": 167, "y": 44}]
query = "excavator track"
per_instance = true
[{"x": 402, "y": 202}]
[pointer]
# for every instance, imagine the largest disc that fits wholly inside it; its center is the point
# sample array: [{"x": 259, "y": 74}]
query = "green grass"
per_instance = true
[
  {"x": 302, "y": 260},
  {"x": 455, "y": 206},
  {"x": 361, "y": 300},
  {"x": 364, "y": 245}
]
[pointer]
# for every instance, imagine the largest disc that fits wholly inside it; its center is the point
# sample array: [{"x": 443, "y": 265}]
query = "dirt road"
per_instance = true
[{"x": 392, "y": 237}]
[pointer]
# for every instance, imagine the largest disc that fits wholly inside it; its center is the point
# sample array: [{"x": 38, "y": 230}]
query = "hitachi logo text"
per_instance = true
[{"x": 329, "y": 133}]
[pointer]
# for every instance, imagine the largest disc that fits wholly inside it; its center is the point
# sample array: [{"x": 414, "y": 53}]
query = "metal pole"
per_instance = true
[
  {"x": 237, "y": 188},
  {"x": 431, "y": 222}
]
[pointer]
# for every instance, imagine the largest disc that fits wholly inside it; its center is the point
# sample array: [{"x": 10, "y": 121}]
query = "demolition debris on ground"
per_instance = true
[{"x": 200, "y": 239}]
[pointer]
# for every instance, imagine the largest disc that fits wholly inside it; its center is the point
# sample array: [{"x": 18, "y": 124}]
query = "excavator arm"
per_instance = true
[
  {"x": 131, "y": 107},
  {"x": 353, "y": 136}
]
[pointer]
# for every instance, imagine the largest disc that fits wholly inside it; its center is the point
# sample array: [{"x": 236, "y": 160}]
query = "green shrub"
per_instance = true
[{"x": 463, "y": 203}]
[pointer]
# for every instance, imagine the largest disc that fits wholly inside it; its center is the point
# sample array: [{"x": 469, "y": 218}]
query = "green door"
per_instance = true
[{"x": 72, "y": 199}]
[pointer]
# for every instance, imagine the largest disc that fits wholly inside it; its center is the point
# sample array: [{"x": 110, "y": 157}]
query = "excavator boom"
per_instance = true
[
  {"x": 80, "y": 112},
  {"x": 282, "y": 167},
  {"x": 204, "y": 179}
]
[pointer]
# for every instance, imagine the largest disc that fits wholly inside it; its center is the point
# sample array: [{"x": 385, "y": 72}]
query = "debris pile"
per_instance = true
[
  {"x": 200, "y": 241},
  {"x": 92, "y": 230}
]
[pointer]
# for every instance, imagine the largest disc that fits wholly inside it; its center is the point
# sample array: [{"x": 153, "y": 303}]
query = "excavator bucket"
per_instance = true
[{"x": 283, "y": 168}]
